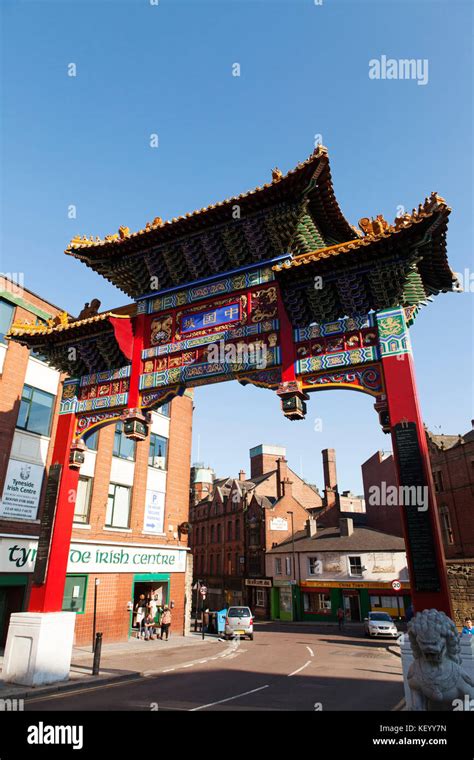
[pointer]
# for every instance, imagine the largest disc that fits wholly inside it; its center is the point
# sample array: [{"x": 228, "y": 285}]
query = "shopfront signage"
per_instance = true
[
  {"x": 22, "y": 490},
  {"x": 363, "y": 584},
  {"x": 18, "y": 555},
  {"x": 258, "y": 582}
]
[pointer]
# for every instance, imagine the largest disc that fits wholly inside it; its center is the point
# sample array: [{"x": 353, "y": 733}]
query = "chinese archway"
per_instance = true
[{"x": 272, "y": 288}]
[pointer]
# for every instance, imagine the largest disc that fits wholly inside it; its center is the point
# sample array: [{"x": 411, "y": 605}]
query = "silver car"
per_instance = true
[
  {"x": 380, "y": 624},
  {"x": 239, "y": 622}
]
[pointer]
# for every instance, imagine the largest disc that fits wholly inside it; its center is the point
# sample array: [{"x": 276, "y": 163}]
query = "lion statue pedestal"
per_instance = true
[{"x": 438, "y": 664}]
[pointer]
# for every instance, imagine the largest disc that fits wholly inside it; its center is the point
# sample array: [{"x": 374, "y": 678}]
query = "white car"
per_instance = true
[
  {"x": 239, "y": 622},
  {"x": 380, "y": 624}
]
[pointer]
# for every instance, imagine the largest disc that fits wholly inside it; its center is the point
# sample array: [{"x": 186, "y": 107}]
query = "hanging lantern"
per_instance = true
[
  {"x": 135, "y": 425},
  {"x": 381, "y": 407},
  {"x": 293, "y": 400},
  {"x": 76, "y": 454}
]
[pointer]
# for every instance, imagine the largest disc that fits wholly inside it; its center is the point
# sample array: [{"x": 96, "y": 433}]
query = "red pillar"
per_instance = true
[
  {"x": 422, "y": 529},
  {"x": 287, "y": 344},
  {"x": 49, "y": 596}
]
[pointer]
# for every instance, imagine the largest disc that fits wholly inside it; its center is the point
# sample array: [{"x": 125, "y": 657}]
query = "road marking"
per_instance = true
[
  {"x": 300, "y": 669},
  {"x": 310, "y": 651},
  {"x": 229, "y": 699},
  {"x": 74, "y": 692}
]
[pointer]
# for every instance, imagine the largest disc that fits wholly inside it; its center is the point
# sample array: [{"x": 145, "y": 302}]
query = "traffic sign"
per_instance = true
[{"x": 396, "y": 585}]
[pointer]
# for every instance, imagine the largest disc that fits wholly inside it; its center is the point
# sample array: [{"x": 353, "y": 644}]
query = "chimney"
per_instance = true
[
  {"x": 263, "y": 459},
  {"x": 311, "y": 527},
  {"x": 286, "y": 487},
  {"x": 330, "y": 476},
  {"x": 242, "y": 475},
  {"x": 346, "y": 526},
  {"x": 282, "y": 474}
]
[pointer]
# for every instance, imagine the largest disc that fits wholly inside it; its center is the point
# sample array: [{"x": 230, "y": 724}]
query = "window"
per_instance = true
[
  {"x": 165, "y": 409},
  {"x": 355, "y": 566},
  {"x": 36, "y": 410},
  {"x": 229, "y": 531},
  {"x": 203, "y": 535},
  {"x": 218, "y": 533},
  {"x": 6, "y": 316},
  {"x": 254, "y": 535},
  {"x": 118, "y": 506},
  {"x": 83, "y": 499},
  {"x": 255, "y": 565},
  {"x": 158, "y": 453},
  {"x": 218, "y": 563},
  {"x": 288, "y": 565},
  {"x": 438, "y": 480},
  {"x": 74, "y": 599},
  {"x": 211, "y": 564},
  {"x": 260, "y": 598},
  {"x": 229, "y": 564},
  {"x": 314, "y": 566},
  {"x": 123, "y": 446},
  {"x": 212, "y": 534},
  {"x": 92, "y": 441},
  {"x": 238, "y": 566},
  {"x": 237, "y": 530},
  {"x": 317, "y": 604},
  {"x": 448, "y": 534},
  {"x": 278, "y": 566}
]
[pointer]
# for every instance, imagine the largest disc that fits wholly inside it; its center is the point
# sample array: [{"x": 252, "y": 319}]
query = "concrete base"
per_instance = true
[
  {"x": 466, "y": 653},
  {"x": 39, "y": 648}
]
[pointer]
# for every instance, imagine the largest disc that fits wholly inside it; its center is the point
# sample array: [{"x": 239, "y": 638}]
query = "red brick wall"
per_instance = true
[
  {"x": 12, "y": 380},
  {"x": 113, "y": 618},
  {"x": 375, "y": 471},
  {"x": 457, "y": 494}
]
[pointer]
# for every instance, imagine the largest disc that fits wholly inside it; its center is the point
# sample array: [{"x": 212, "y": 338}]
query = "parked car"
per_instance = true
[
  {"x": 239, "y": 622},
  {"x": 380, "y": 624}
]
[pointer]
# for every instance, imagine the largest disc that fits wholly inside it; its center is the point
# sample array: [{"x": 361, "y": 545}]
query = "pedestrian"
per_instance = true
[
  {"x": 340, "y": 618},
  {"x": 409, "y": 613},
  {"x": 140, "y": 612},
  {"x": 149, "y": 626},
  {"x": 153, "y": 604},
  {"x": 165, "y": 622},
  {"x": 467, "y": 628}
]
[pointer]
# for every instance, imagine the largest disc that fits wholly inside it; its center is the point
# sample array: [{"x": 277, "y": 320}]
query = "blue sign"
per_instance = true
[{"x": 212, "y": 318}]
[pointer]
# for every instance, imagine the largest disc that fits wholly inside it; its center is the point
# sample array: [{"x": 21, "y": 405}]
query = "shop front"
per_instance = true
[
  {"x": 258, "y": 592},
  {"x": 320, "y": 600},
  {"x": 104, "y": 582},
  {"x": 283, "y": 604}
]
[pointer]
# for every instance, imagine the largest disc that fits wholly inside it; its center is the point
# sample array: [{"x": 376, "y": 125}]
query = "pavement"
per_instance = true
[
  {"x": 135, "y": 654},
  {"x": 288, "y": 666}
]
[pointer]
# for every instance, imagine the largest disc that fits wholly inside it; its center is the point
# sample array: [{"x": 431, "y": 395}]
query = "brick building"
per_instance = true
[
  {"x": 131, "y": 498},
  {"x": 452, "y": 466},
  {"x": 243, "y": 518}
]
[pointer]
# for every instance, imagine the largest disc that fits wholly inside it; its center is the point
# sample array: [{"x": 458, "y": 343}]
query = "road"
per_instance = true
[{"x": 286, "y": 667}]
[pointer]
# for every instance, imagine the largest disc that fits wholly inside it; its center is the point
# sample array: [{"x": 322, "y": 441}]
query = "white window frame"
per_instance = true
[
  {"x": 358, "y": 557},
  {"x": 288, "y": 566},
  {"x": 278, "y": 567},
  {"x": 311, "y": 562}
]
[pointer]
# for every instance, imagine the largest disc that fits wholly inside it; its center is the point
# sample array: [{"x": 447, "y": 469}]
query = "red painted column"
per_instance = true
[
  {"x": 48, "y": 597},
  {"x": 138, "y": 343},
  {"x": 287, "y": 344},
  {"x": 403, "y": 407}
]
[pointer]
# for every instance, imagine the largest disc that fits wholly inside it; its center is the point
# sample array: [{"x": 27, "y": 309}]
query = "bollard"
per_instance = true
[{"x": 97, "y": 651}]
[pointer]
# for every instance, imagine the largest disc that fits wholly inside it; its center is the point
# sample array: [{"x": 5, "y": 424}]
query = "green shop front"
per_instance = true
[
  {"x": 320, "y": 600},
  {"x": 284, "y": 600}
]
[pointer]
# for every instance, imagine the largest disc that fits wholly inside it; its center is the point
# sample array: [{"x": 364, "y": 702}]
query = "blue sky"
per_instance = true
[{"x": 167, "y": 69}]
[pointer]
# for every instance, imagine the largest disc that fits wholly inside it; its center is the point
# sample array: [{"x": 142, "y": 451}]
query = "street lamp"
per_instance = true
[{"x": 289, "y": 512}]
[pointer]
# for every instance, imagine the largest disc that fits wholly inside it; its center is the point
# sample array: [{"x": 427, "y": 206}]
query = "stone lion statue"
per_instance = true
[{"x": 436, "y": 676}]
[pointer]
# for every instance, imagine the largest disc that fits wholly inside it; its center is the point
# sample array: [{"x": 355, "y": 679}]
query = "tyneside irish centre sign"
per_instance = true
[{"x": 18, "y": 555}]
